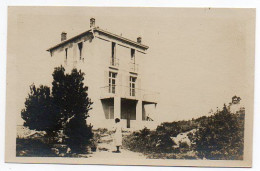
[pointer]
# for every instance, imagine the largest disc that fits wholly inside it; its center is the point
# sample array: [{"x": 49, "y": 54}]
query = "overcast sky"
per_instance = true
[{"x": 197, "y": 58}]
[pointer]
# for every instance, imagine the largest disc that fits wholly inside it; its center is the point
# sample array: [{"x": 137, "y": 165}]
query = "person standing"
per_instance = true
[{"x": 118, "y": 135}]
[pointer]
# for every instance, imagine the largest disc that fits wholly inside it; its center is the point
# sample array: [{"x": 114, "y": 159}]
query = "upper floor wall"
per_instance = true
[
  {"x": 98, "y": 53},
  {"x": 120, "y": 55}
]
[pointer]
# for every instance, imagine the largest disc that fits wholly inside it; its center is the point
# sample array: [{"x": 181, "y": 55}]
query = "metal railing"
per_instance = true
[
  {"x": 133, "y": 67},
  {"x": 128, "y": 93},
  {"x": 114, "y": 62}
]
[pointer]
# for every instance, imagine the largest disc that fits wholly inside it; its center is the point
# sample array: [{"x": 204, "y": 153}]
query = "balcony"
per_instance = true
[
  {"x": 133, "y": 67},
  {"x": 114, "y": 62},
  {"x": 128, "y": 93},
  {"x": 150, "y": 97}
]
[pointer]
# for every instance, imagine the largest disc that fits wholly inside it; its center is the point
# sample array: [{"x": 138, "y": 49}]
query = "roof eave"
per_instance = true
[
  {"x": 122, "y": 38},
  {"x": 142, "y": 46},
  {"x": 68, "y": 40}
]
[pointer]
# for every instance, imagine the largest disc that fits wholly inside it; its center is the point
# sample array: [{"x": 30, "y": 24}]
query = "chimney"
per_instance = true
[
  {"x": 92, "y": 22},
  {"x": 63, "y": 36},
  {"x": 139, "y": 39}
]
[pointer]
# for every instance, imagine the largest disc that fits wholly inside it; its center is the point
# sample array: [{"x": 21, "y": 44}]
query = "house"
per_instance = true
[{"x": 113, "y": 66}]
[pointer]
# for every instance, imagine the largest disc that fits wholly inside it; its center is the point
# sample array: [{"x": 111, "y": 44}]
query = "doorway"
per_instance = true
[
  {"x": 128, "y": 117},
  {"x": 128, "y": 111}
]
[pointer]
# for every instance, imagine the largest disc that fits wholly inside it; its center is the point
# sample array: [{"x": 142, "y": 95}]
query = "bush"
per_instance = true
[
  {"x": 33, "y": 148},
  {"x": 147, "y": 141},
  {"x": 217, "y": 137},
  {"x": 221, "y": 137}
]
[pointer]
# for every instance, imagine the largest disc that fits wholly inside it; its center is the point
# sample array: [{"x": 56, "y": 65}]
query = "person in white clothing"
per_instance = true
[{"x": 118, "y": 135}]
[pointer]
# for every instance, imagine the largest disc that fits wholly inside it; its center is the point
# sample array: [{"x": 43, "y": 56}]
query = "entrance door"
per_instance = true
[{"x": 128, "y": 115}]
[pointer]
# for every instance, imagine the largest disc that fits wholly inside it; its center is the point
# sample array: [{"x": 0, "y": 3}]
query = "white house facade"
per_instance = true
[{"x": 113, "y": 67}]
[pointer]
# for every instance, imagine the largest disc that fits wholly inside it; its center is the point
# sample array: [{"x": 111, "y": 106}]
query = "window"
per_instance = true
[
  {"x": 66, "y": 53},
  {"x": 133, "y": 55},
  {"x": 113, "y": 50},
  {"x": 110, "y": 112},
  {"x": 80, "y": 45},
  {"x": 112, "y": 82},
  {"x": 113, "y": 55},
  {"x": 132, "y": 85},
  {"x": 113, "y": 60}
]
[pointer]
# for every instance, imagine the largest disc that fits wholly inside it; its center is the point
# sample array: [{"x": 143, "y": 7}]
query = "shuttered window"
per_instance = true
[
  {"x": 80, "y": 46},
  {"x": 112, "y": 82},
  {"x": 132, "y": 86}
]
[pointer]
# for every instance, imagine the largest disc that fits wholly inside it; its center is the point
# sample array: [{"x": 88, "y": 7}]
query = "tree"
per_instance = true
[
  {"x": 79, "y": 134},
  {"x": 39, "y": 113},
  {"x": 71, "y": 97},
  {"x": 65, "y": 108}
]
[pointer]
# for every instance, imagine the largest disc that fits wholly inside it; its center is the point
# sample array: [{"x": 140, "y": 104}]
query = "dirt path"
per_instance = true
[{"x": 106, "y": 147}]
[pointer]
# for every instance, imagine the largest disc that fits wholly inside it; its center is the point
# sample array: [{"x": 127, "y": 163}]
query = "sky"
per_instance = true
[{"x": 197, "y": 58}]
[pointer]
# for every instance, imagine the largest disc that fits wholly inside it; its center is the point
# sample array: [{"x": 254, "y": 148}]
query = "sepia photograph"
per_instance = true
[{"x": 130, "y": 86}]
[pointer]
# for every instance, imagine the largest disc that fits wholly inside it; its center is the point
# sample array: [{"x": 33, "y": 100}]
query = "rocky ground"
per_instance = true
[{"x": 106, "y": 149}]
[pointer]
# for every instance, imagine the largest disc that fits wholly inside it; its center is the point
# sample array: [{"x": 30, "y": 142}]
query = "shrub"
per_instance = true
[
  {"x": 221, "y": 137},
  {"x": 147, "y": 141},
  {"x": 33, "y": 148},
  {"x": 217, "y": 137}
]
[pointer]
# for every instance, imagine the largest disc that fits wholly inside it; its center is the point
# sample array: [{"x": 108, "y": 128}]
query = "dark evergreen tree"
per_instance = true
[
  {"x": 71, "y": 97},
  {"x": 39, "y": 113},
  {"x": 66, "y": 108}
]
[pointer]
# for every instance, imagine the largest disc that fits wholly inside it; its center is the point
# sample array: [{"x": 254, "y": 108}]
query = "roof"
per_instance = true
[{"x": 96, "y": 29}]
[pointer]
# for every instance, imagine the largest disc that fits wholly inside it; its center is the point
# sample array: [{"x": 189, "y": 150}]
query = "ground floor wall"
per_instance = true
[{"x": 130, "y": 112}]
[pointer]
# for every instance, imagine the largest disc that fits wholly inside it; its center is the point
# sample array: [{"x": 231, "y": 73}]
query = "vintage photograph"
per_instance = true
[{"x": 130, "y": 86}]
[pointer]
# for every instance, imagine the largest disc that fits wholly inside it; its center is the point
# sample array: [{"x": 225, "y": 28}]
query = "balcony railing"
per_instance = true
[
  {"x": 114, "y": 62},
  {"x": 133, "y": 67},
  {"x": 128, "y": 93}
]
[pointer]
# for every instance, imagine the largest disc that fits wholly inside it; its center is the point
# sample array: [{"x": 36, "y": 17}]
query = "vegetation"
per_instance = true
[
  {"x": 71, "y": 97},
  {"x": 221, "y": 136},
  {"x": 64, "y": 109},
  {"x": 216, "y": 137},
  {"x": 39, "y": 113},
  {"x": 158, "y": 143},
  {"x": 32, "y": 148}
]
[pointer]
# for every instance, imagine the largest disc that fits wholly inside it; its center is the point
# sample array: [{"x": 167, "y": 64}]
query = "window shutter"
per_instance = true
[
  {"x": 81, "y": 47},
  {"x": 127, "y": 85},
  {"x": 127, "y": 81},
  {"x": 119, "y": 79},
  {"x": 119, "y": 86},
  {"x": 75, "y": 52},
  {"x": 106, "y": 77},
  {"x": 115, "y": 51},
  {"x": 138, "y": 83}
]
